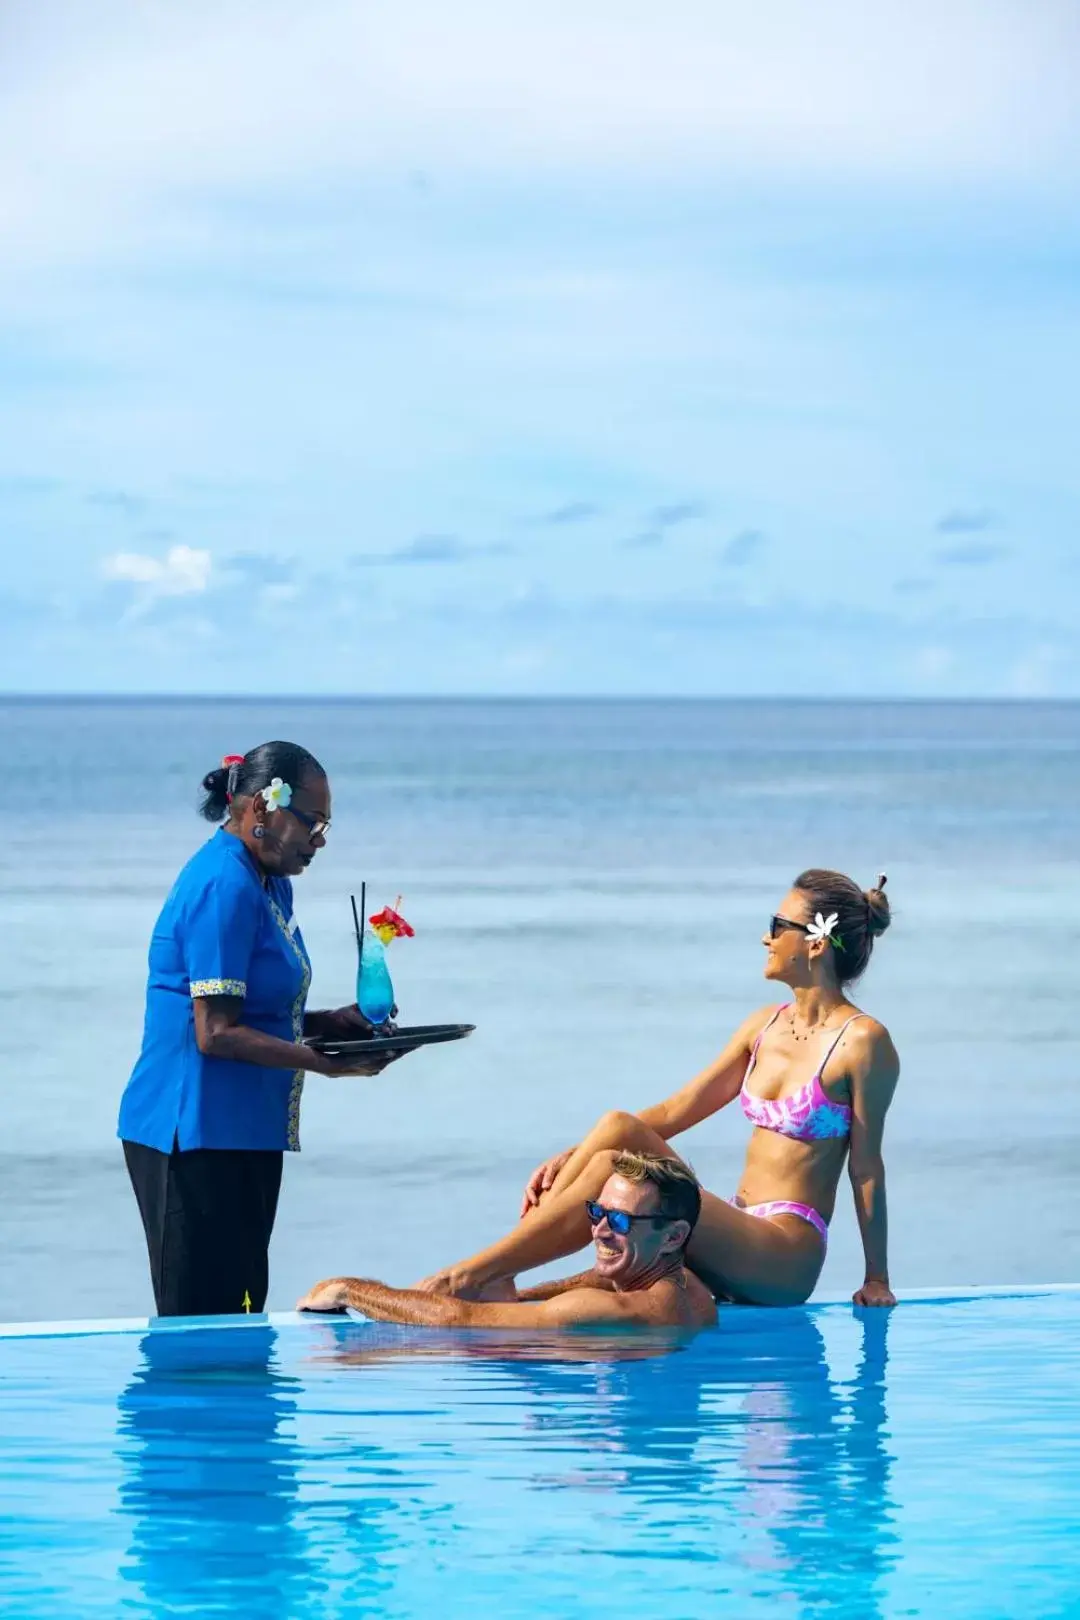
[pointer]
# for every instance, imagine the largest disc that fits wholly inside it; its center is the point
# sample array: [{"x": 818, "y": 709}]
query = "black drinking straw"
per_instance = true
[{"x": 356, "y": 925}]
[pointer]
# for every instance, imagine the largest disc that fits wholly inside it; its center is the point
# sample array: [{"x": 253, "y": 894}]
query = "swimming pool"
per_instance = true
[{"x": 920, "y": 1462}]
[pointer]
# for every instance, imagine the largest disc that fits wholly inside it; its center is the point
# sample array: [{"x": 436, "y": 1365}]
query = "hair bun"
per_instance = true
[
  {"x": 215, "y": 786},
  {"x": 877, "y": 905}
]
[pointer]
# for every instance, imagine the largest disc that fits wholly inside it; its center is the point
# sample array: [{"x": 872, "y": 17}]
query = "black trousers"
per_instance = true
[{"x": 208, "y": 1215}]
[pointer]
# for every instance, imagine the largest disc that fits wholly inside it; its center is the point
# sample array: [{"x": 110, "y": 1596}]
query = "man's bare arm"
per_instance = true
[{"x": 581, "y": 1307}]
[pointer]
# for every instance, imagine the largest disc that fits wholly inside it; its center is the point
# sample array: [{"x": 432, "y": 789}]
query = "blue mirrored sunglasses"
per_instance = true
[{"x": 618, "y": 1220}]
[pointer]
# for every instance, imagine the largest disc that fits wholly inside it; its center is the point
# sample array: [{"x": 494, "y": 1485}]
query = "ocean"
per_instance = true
[{"x": 589, "y": 882}]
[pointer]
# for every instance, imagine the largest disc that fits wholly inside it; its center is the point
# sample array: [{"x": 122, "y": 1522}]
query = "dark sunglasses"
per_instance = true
[
  {"x": 317, "y": 826},
  {"x": 777, "y": 924},
  {"x": 618, "y": 1219}
]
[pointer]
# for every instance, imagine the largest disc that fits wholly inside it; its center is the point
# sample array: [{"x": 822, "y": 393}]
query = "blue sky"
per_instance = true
[{"x": 502, "y": 348}]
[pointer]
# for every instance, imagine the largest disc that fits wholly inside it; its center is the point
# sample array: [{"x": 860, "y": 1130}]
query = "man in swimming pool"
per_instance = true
[{"x": 641, "y": 1224}]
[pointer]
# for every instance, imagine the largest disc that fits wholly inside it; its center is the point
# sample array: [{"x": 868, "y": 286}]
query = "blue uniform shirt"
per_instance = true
[{"x": 221, "y": 933}]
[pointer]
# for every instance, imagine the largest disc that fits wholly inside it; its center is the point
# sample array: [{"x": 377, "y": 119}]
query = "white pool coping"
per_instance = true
[{"x": 97, "y": 1327}]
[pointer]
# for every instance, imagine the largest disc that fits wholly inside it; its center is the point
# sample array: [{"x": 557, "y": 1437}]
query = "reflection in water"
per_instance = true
[
  {"x": 209, "y": 1478},
  {"x": 869, "y": 1508},
  {"x": 733, "y": 1467},
  {"x": 740, "y": 1441},
  {"x": 347, "y": 1343},
  {"x": 816, "y": 1464},
  {"x": 747, "y": 1436}
]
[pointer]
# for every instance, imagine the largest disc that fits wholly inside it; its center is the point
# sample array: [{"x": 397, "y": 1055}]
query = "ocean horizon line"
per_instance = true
[{"x": 358, "y": 699}]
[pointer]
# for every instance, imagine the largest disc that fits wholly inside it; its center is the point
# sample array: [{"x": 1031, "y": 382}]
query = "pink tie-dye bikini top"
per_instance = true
[{"x": 808, "y": 1115}]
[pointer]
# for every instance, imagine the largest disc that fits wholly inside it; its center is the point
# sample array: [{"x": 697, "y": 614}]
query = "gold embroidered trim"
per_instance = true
[
  {"x": 217, "y": 987},
  {"x": 298, "y": 1024}
]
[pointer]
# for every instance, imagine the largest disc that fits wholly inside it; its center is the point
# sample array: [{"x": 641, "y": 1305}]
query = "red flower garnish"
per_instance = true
[{"x": 390, "y": 919}]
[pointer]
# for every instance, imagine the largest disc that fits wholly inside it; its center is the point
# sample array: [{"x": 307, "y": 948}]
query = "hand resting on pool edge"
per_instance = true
[{"x": 641, "y": 1224}]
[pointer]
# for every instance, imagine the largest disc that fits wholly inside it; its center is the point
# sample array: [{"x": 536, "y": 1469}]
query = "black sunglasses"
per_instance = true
[
  {"x": 317, "y": 826},
  {"x": 778, "y": 923},
  {"x": 619, "y": 1220}
]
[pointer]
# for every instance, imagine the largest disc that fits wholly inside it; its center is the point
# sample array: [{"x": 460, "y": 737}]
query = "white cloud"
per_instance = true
[
  {"x": 113, "y": 114},
  {"x": 183, "y": 571},
  {"x": 771, "y": 256}
]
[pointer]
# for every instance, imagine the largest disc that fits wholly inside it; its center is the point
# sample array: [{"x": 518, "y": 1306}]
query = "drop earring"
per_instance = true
[{"x": 259, "y": 832}]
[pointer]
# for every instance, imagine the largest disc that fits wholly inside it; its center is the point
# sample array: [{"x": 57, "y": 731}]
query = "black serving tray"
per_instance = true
[{"x": 407, "y": 1038}]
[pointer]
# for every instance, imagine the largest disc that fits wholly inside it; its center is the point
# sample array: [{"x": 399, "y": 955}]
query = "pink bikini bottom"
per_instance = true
[{"x": 781, "y": 1206}]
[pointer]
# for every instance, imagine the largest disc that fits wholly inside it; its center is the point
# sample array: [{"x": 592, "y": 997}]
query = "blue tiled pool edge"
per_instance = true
[{"x": 279, "y": 1319}]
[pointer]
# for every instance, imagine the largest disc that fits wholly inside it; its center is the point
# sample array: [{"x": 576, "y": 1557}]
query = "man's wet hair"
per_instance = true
[{"x": 675, "y": 1183}]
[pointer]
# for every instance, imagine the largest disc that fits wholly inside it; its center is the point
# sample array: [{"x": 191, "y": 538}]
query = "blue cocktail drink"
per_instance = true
[{"x": 374, "y": 988}]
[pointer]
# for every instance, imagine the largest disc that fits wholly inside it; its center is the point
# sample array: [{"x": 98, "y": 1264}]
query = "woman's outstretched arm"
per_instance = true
[
  {"x": 875, "y": 1069},
  {"x": 713, "y": 1088},
  {"x": 701, "y": 1097}
]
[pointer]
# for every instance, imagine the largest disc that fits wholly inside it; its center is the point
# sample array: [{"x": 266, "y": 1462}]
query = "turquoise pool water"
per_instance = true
[{"x": 819, "y": 1462}]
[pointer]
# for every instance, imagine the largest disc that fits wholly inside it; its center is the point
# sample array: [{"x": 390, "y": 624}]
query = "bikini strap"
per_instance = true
[
  {"x": 836, "y": 1042},
  {"x": 768, "y": 1024}
]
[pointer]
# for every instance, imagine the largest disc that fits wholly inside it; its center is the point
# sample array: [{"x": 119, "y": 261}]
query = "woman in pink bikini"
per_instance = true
[{"x": 814, "y": 1076}]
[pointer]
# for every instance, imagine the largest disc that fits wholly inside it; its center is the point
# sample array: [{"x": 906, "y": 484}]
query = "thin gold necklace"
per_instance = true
[{"x": 811, "y": 1029}]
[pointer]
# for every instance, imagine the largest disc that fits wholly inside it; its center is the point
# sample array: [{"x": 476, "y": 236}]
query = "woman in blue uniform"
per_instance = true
[{"x": 214, "y": 1099}]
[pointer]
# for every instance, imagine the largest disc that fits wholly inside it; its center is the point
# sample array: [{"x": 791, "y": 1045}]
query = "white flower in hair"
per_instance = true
[
  {"x": 278, "y": 796},
  {"x": 822, "y": 928}
]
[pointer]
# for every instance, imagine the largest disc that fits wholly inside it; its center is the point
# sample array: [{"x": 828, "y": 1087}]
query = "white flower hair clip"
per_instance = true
[
  {"x": 278, "y": 796},
  {"x": 822, "y": 928}
]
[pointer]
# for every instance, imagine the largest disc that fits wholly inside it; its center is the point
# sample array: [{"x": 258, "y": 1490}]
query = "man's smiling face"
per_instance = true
[{"x": 623, "y": 1258}]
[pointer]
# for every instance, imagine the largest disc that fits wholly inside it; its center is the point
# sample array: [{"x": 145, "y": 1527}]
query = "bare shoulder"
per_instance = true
[
  {"x": 701, "y": 1300},
  {"x": 868, "y": 1045},
  {"x": 682, "y": 1301},
  {"x": 668, "y": 1302},
  {"x": 755, "y": 1024},
  {"x": 741, "y": 1042}
]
